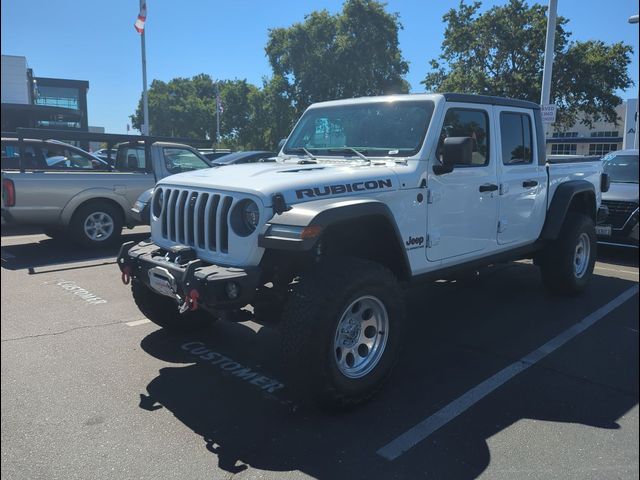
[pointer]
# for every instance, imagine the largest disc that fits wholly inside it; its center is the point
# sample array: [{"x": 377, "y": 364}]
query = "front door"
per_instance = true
[{"x": 463, "y": 204}]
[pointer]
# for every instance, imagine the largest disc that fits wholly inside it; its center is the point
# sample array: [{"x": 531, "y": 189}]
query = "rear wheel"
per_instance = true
[
  {"x": 97, "y": 224},
  {"x": 341, "y": 330},
  {"x": 567, "y": 263},
  {"x": 163, "y": 311}
]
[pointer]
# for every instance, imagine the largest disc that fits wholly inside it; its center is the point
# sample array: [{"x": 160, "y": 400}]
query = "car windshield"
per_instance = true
[
  {"x": 380, "y": 129},
  {"x": 621, "y": 168}
]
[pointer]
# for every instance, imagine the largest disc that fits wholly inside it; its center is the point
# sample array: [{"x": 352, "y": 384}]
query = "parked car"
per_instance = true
[
  {"x": 244, "y": 157},
  {"x": 106, "y": 153},
  {"x": 140, "y": 209},
  {"x": 366, "y": 195},
  {"x": 66, "y": 190},
  {"x": 212, "y": 153},
  {"x": 621, "y": 224}
]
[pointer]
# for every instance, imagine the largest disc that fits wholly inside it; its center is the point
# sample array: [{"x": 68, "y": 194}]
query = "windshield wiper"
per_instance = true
[
  {"x": 306, "y": 152},
  {"x": 350, "y": 149}
]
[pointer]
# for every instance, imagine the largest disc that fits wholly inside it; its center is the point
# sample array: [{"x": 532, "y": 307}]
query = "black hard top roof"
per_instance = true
[{"x": 490, "y": 100}]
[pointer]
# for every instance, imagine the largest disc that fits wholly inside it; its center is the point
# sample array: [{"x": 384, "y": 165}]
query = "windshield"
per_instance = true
[
  {"x": 621, "y": 168},
  {"x": 380, "y": 129}
]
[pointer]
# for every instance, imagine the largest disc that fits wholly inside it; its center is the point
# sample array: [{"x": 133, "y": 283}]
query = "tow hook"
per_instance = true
[
  {"x": 126, "y": 275},
  {"x": 190, "y": 302}
]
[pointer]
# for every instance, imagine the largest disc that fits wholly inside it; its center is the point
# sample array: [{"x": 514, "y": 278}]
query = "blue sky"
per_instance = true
[{"x": 95, "y": 40}]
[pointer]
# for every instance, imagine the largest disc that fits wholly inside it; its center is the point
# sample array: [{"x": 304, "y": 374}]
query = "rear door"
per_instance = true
[
  {"x": 522, "y": 179},
  {"x": 463, "y": 204}
]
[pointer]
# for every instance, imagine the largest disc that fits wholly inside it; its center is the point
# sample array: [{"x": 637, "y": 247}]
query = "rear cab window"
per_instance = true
[
  {"x": 31, "y": 160},
  {"x": 62, "y": 157},
  {"x": 131, "y": 158},
  {"x": 515, "y": 137}
]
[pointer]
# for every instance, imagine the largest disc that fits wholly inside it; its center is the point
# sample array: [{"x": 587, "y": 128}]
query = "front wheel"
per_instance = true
[
  {"x": 341, "y": 330},
  {"x": 567, "y": 263}
]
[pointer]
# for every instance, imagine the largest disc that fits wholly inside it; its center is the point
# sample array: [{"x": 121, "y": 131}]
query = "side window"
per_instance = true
[
  {"x": 515, "y": 133},
  {"x": 182, "y": 160},
  {"x": 60, "y": 157},
  {"x": 464, "y": 122},
  {"x": 131, "y": 159},
  {"x": 11, "y": 157}
]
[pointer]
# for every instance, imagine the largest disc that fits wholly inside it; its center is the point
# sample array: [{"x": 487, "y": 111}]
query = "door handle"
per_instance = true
[
  {"x": 530, "y": 183},
  {"x": 488, "y": 187}
]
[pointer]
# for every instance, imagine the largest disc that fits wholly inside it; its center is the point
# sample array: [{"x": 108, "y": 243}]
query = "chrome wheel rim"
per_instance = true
[
  {"x": 582, "y": 255},
  {"x": 361, "y": 337},
  {"x": 98, "y": 226}
]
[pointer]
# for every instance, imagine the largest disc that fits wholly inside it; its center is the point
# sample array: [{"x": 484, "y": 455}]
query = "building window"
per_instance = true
[
  {"x": 57, "y": 124},
  {"x": 65, "y": 97},
  {"x": 602, "y": 148},
  {"x": 564, "y": 148},
  {"x": 612, "y": 133},
  {"x": 565, "y": 134}
]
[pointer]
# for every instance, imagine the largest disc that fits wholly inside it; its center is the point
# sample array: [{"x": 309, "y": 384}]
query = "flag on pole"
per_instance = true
[
  {"x": 220, "y": 108},
  {"x": 142, "y": 17}
]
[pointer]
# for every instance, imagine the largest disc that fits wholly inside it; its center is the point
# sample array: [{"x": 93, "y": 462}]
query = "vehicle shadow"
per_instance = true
[
  {"x": 49, "y": 253},
  {"x": 623, "y": 256},
  {"x": 451, "y": 347}
]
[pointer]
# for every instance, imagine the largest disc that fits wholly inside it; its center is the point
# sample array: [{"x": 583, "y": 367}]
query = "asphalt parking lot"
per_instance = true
[{"x": 498, "y": 380}]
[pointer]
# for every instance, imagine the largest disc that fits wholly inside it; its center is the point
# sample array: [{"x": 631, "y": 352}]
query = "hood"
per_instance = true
[
  {"x": 622, "y": 192},
  {"x": 297, "y": 183}
]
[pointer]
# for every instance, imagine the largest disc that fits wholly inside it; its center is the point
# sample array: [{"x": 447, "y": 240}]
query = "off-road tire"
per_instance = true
[
  {"x": 310, "y": 319},
  {"x": 163, "y": 311},
  {"x": 558, "y": 259},
  {"x": 77, "y": 230}
]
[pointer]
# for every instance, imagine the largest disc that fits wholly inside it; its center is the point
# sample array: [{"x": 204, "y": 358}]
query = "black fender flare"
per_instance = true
[
  {"x": 559, "y": 207},
  {"x": 324, "y": 213}
]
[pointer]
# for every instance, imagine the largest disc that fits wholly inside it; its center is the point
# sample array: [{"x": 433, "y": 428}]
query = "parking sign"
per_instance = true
[{"x": 548, "y": 113}]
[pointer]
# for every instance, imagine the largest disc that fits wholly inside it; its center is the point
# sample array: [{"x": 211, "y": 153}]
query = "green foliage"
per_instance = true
[
  {"x": 352, "y": 53},
  {"x": 501, "y": 52}
]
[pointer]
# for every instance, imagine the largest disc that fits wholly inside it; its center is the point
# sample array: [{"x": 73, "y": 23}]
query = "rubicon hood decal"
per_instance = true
[
  {"x": 263, "y": 180},
  {"x": 343, "y": 188}
]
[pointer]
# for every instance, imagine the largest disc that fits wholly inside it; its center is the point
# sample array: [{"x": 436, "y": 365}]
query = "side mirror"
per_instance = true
[
  {"x": 281, "y": 143},
  {"x": 455, "y": 151}
]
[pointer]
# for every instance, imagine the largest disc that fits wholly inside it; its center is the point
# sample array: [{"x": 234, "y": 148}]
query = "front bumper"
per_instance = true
[{"x": 215, "y": 286}]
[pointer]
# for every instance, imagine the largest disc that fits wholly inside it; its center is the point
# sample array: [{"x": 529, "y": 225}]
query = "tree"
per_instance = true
[
  {"x": 186, "y": 107},
  {"x": 182, "y": 107},
  {"x": 352, "y": 53},
  {"x": 501, "y": 52}
]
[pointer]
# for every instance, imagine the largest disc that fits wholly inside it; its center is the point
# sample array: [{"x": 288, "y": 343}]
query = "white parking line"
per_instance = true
[
  {"x": 422, "y": 430},
  {"x": 630, "y": 272},
  {"x": 135, "y": 323}
]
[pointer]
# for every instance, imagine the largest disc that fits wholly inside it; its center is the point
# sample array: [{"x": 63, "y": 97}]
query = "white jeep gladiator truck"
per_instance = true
[{"x": 365, "y": 196}]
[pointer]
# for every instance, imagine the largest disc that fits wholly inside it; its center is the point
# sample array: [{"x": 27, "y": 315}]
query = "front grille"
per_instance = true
[
  {"x": 619, "y": 212},
  {"x": 197, "y": 219}
]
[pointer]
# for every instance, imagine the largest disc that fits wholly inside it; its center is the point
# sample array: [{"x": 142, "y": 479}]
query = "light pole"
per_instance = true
[
  {"x": 548, "y": 54},
  {"x": 634, "y": 19}
]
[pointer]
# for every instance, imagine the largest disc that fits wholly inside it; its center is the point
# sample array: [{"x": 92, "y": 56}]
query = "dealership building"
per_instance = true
[
  {"x": 41, "y": 102},
  {"x": 599, "y": 139}
]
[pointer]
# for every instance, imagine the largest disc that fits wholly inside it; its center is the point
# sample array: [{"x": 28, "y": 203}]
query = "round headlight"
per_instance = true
[
  {"x": 245, "y": 217},
  {"x": 251, "y": 215},
  {"x": 156, "y": 202}
]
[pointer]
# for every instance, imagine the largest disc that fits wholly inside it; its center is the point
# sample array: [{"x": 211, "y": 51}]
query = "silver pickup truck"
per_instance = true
[{"x": 67, "y": 191}]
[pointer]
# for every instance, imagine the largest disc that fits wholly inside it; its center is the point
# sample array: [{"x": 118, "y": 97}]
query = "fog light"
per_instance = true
[{"x": 233, "y": 290}]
